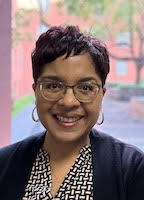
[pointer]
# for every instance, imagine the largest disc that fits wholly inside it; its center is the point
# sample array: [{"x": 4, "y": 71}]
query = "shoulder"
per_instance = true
[
  {"x": 122, "y": 162},
  {"x": 20, "y": 148},
  {"x": 128, "y": 154},
  {"x": 105, "y": 139}
]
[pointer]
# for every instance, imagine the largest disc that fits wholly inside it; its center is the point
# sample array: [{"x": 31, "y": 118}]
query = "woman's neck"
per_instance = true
[{"x": 62, "y": 150}]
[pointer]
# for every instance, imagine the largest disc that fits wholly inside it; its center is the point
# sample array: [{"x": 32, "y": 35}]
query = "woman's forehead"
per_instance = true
[{"x": 71, "y": 68}]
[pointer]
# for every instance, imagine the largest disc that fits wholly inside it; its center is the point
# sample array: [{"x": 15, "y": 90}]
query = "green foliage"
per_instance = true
[
  {"x": 115, "y": 11},
  {"x": 87, "y": 7},
  {"x": 79, "y": 8},
  {"x": 21, "y": 20},
  {"x": 98, "y": 30},
  {"x": 123, "y": 11},
  {"x": 126, "y": 12},
  {"x": 112, "y": 18},
  {"x": 20, "y": 104}
]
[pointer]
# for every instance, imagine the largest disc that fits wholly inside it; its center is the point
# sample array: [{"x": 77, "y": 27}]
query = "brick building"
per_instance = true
[{"x": 121, "y": 71}]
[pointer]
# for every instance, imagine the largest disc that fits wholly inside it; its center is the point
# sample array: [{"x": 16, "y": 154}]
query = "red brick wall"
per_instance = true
[{"x": 21, "y": 61}]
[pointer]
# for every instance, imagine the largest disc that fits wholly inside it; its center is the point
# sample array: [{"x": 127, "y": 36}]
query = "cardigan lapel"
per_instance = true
[
  {"x": 19, "y": 167},
  {"x": 105, "y": 172}
]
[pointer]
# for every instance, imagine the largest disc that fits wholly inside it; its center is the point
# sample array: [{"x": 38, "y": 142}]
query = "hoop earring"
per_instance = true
[
  {"x": 102, "y": 119},
  {"x": 33, "y": 117}
]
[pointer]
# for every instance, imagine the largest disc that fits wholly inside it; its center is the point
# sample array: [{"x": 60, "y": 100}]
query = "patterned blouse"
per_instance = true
[{"x": 77, "y": 185}]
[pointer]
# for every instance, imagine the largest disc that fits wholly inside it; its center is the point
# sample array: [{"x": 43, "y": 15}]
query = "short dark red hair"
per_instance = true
[{"x": 69, "y": 40}]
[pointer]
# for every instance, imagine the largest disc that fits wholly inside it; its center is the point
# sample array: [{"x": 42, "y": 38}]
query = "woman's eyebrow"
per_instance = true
[
  {"x": 88, "y": 79},
  {"x": 44, "y": 78}
]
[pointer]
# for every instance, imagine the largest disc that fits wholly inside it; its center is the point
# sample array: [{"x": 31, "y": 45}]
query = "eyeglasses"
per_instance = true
[{"x": 52, "y": 90}]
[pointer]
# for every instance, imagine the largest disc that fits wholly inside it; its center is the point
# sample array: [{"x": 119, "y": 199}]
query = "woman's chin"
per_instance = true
[{"x": 67, "y": 136}]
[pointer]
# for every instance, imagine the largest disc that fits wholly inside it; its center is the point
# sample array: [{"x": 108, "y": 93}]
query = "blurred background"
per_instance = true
[{"x": 119, "y": 23}]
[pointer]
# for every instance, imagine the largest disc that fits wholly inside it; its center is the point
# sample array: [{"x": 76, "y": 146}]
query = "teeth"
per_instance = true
[{"x": 66, "y": 119}]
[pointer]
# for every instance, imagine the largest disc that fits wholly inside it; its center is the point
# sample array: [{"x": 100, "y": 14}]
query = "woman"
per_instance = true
[{"x": 70, "y": 160}]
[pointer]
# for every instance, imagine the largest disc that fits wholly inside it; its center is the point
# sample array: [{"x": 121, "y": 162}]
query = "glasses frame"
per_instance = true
[{"x": 39, "y": 83}]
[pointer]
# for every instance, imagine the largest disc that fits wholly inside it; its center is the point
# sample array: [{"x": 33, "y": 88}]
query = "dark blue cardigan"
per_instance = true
[{"x": 118, "y": 168}]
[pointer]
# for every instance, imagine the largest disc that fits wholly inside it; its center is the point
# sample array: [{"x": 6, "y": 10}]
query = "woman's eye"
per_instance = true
[
  {"x": 86, "y": 87},
  {"x": 53, "y": 86}
]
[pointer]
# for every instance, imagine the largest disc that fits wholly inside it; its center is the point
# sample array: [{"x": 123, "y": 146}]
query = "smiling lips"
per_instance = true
[{"x": 68, "y": 121}]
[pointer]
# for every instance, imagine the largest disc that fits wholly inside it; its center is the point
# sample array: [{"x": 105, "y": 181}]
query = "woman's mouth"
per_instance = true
[{"x": 67, "y": 121}]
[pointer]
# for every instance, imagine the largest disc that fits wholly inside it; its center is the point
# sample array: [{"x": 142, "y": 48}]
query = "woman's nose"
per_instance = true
[{"x": 69, "y": 99}]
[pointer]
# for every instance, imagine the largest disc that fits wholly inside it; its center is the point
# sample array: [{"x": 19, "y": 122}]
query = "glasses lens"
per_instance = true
[
  {"x": 86, "y": 92},
  {"x": 54, "y": 90},
  {"x": 51, "y": 90}
]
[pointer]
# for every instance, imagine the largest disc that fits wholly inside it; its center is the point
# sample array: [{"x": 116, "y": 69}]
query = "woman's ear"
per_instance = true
[{"x": 34, "y": 86}]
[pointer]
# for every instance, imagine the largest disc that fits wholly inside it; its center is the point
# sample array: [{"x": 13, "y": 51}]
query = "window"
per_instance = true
[
  {"x": 41, "y": 29},
  {"x": 121, "y": 68},
  {"x": 123, "y": 39},
  {"x": 43, "y": 5}
]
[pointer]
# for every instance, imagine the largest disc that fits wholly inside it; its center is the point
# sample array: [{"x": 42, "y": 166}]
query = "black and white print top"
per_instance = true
[{"x": 77, "y": 185}]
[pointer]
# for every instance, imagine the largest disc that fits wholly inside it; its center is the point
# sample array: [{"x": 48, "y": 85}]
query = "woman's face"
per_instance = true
[{"x": 68, "y": 119}]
